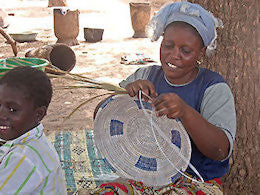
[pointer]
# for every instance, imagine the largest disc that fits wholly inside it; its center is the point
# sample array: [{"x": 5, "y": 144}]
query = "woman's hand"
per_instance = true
[
  {"x": 144, "y": 85},
  {"x": 171, "y": 105},
  {"x": 214, "y": 143}
]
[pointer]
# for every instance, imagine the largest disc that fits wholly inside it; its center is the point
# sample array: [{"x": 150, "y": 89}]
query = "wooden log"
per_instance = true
[{"x": 59, "y": 55}]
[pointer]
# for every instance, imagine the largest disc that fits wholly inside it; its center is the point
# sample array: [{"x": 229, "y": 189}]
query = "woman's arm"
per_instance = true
[
  {"x": 212, "y": 130},
  {"x": 209, "y": 139}
]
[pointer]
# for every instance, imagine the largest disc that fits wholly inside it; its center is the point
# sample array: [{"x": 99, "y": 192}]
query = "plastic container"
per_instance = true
[{"x": 10, "y": 63}]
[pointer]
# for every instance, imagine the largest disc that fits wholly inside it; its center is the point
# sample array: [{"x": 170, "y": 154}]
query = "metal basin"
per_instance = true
[{"x": 24, "y": 37}]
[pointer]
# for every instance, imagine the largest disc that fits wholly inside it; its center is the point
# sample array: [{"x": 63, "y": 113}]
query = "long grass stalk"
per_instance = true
[
  {"x": 77, "y": 87},
  {"x": 15, "y": 60},
  {"x": 85, "y": 102},
  {"x": 88, "y": 82},
  {"x": 19, "y": 60},
  {"x": 72, "y": 75},
  {"x": 7, "y": 64},
  {"x": 70, "y": 78},
  {"x": 76, "y": 77},
  {"x": 93, "y": 84},
  {"x": 57, "y": 70},
  {"x": 24, "y": 61}
]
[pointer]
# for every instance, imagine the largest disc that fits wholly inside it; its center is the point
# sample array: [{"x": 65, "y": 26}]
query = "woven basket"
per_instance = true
[{"x": 133, "y": 149}]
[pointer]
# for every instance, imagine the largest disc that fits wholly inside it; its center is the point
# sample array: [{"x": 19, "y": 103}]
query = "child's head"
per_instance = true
[{"x": 25, "y": 94}]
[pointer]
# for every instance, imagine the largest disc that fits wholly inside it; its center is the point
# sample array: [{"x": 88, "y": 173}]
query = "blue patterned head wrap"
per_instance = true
[{"x": 195, "y": 15}]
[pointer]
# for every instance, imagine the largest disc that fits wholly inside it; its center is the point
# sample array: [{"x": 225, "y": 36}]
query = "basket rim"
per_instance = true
[{"x": 45, "y": 62}]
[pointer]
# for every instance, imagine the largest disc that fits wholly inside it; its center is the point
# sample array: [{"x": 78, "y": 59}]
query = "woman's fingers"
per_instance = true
[
  {"x": 169, "y": 105},
  {"x": 130, "y": 90},
  {"x": 145, "y": 86},
  {"x": 152, "y": 92},
  {"x": 161, "y": 112}
]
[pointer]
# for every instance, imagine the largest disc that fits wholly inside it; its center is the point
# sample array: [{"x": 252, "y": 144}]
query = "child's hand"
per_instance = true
[
  {"x": 171, "y": 105},
  {"x": 146, "y": 86}
]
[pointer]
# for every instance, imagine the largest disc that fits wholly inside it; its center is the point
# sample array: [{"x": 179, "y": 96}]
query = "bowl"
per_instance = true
[
  {"x": 93, "y": 35},
  {"x": 10, "y": 63},
  {"x": 24, "y": 37}
]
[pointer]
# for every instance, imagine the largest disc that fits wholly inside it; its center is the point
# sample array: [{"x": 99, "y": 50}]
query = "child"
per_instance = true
[
  {"x": 181, "y": 89},
  {"x": 29, "y": 163}
]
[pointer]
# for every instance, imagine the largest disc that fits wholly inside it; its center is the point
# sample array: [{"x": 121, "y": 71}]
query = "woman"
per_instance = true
[{"x": 200, "y": 98}]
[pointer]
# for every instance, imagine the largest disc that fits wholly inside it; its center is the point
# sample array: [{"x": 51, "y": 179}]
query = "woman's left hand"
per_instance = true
[{"x": 171, "y": 105}]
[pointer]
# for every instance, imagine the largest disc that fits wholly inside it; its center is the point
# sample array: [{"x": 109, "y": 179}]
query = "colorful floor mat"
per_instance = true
[{"x": 81, "y": 161}]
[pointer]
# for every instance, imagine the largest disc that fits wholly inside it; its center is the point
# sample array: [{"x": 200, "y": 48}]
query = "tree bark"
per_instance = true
[{"x": 236, "y": 58}]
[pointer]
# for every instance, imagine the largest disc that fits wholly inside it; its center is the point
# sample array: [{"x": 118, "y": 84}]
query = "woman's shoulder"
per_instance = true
[
  {"x": 210, "y": 77},
  {"x": 144, "y": 72},
  {"x": 141, "y": 73},
  {"x": 150, "y": 68}
]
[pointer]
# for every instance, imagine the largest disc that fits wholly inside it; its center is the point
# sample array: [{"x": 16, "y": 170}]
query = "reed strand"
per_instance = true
[{"x": 85, "y": 82}]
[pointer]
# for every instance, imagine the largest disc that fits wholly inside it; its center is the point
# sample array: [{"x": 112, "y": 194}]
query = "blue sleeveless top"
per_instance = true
[{"x": 192, "y": 93}]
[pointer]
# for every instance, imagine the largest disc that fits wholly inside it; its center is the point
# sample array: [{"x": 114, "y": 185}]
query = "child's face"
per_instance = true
[
  {"x": 17, "y": 113},
  {"x": 179, "y": 52}
]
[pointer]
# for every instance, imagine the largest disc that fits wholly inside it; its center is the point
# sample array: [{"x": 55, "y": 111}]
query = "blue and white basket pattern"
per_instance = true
[{"x": 124, "y": 136}]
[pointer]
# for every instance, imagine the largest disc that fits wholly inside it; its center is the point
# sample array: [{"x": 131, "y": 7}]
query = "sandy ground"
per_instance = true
[{"x": 99, "y": 60}]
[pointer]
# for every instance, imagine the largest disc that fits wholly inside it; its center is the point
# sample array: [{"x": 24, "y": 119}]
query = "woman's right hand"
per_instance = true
[{"x": 144, "y": 85}]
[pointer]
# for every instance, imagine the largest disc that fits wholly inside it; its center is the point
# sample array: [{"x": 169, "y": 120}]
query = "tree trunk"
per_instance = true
[{"x": 236, "y": 59}]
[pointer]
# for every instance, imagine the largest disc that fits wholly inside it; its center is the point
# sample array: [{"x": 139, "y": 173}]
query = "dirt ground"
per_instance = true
[{"x": 99, "y": 60}]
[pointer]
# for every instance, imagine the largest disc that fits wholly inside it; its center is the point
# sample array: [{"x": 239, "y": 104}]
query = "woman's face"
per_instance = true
[{"x": 180, "y": 49}]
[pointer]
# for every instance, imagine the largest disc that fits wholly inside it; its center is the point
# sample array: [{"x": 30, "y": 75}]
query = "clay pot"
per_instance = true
[
  {"x": 59, "y": 55},
  {"x": 93, "y": 35},
  {"x": 140, "y": 16},
  {"x": 66, "y": 26},
  {"x": 57, "y": 3}
]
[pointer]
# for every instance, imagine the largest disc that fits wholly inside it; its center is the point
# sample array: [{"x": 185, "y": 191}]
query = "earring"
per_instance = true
[{"x": 199, "y": 61}]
